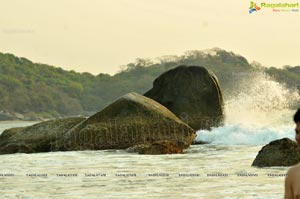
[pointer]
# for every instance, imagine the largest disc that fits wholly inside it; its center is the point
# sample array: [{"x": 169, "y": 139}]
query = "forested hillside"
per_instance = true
[{"x": 31, "y": 90}]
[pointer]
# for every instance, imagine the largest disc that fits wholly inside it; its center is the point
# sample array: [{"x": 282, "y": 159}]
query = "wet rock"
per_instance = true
[
  {"x": 282, "y": 152},
  {"x": 156, "y": 148},
  {"x": 192, "y": 93},
  {"x": 36, "y": 138},
  {"x": 131, "y": 120}
]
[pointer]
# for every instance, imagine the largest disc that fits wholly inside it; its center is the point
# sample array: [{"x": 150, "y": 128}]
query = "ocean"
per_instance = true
[{"x": 220, "y": 169}]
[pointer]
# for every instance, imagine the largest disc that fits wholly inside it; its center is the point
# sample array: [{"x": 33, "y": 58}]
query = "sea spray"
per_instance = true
[
  {"x": 258, "y": 112},
  {"x": 259, "y": 100}
]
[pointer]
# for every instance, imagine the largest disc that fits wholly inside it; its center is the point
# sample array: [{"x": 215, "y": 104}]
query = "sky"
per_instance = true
[{"x": 99, "y": 36}]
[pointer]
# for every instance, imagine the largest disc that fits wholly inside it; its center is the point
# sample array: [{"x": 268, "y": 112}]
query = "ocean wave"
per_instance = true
[{"x": 239, "y": 134}]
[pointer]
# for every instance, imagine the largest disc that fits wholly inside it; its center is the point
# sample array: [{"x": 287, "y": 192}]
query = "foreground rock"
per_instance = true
[
  {"x": 37, "y": 138},
  {"x": 283, "y": 152},
  {"x": 192, "y": 93},
  {"x": 131, "y": 120}
]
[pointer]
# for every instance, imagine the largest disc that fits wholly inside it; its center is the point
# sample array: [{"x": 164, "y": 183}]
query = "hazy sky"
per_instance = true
[{"x": 99, "y": 36}]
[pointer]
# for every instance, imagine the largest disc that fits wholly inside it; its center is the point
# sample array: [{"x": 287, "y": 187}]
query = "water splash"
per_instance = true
[
  {"x": 259, "y": 100},
  {"x": 237, "y": 134},
  {"x": 258, "y": 113}
]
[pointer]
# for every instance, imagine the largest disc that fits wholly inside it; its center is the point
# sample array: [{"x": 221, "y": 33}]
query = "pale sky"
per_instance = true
[{"x": 98, "y": 36}]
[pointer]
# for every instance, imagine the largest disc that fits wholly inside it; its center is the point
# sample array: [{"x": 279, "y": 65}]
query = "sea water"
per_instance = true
[
  {"x": 216, "y": 170},
  {"x": 222, "y": 169}
]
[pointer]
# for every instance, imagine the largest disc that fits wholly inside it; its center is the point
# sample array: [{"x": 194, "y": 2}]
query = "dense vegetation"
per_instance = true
[{"x": 39, "y": 90}]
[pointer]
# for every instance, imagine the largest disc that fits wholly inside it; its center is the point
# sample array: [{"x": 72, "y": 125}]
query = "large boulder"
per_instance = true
[
  {"x": 36, "y": 138},
  {"x": 131, "y": 120},
  {"x": 283, "y": 152},
  {"x": 192, "y": 93}
]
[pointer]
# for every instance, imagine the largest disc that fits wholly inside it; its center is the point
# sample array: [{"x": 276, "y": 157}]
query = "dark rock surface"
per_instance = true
[
  {"x": 283, "y": 152},
  {"x": 192, "y": 93},
  {"x": 199, "y": 142},
  {"x": 131, "y": 120},
  {"x": 156, "y": 148},
  {"x": 36, "y": 138}
]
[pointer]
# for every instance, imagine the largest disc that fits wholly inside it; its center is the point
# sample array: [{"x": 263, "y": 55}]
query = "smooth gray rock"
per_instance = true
[{"x": 192, "y": 93}]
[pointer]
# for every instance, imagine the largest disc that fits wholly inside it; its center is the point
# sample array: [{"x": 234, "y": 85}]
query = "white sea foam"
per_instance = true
[
  {"x": 238, "y": 134},
  {"x": 258, "y": 113}
]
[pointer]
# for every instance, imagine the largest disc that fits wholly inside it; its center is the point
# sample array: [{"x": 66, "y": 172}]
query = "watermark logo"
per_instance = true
[
  {"x": 275, "y": 7},
  {"x": 253, "y": 7}
]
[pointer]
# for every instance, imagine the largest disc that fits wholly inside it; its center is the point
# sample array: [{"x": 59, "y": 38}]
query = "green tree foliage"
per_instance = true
[{"x": 41, "y": 90}]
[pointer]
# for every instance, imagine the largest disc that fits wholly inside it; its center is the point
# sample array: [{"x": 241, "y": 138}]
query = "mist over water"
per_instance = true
[{"x": 260, "y": 111}]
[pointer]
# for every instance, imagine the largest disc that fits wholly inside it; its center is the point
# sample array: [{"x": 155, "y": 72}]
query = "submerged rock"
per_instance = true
[
  {"x": 283, "y": 152},
  {"x": 36, "y": 138},
  {"x": 155, "y": 148},
  {"x": 192, "y": 93},
  {"x": 131, "y": 120},
  {"x": 199, "y": 142}
]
